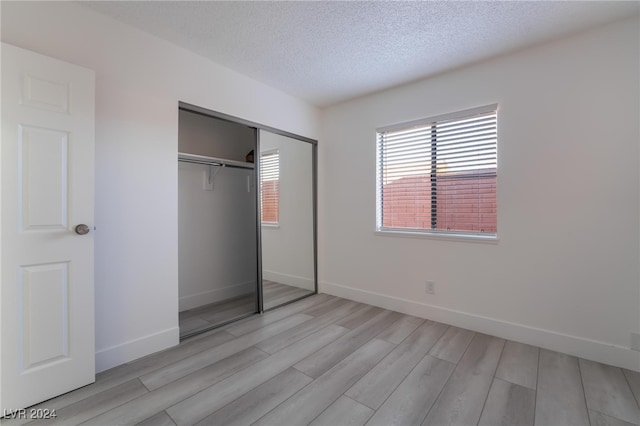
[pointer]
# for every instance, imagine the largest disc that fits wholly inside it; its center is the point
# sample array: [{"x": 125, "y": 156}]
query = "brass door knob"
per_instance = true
[{"x": 82, "y": 229}]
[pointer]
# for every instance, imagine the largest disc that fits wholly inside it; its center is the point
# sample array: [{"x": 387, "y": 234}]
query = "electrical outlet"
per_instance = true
[{"x": 430, "y": 287}]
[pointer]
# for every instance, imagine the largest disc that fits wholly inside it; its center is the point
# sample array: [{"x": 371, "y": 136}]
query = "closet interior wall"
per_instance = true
[{"x": 216, "y": 223}]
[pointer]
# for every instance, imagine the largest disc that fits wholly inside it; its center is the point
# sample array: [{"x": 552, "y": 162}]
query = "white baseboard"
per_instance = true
[
  {"x": 136, "y": 348},
  {"x": 211, "y": 296},
  {"x": 292, "y": 280},
  {"x": 577, "y": 346}
]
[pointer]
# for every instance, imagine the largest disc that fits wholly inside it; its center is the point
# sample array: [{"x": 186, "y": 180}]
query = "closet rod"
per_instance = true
[{"x": 213, "y": 161}]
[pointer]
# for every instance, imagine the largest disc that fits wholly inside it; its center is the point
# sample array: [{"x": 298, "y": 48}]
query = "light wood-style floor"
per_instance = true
[
  {"x": 276, "y": 294},
  {"x": 207, "y": 316},
  {"x": 329, "y": 361}
]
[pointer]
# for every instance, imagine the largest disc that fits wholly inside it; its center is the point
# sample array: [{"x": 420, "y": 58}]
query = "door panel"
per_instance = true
[
  {"x": 43, "y": 159},
  {"x": 288, "y": 244},
  {"x": 48, "y": 95},
  {"x": 45, "y": 318},
  {"x": 47, "y": 180}
]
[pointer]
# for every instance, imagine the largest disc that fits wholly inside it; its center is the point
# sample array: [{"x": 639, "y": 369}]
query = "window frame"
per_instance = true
[
  {"x": 423, "y": 232},
  {"x": 269, "y": 224}
]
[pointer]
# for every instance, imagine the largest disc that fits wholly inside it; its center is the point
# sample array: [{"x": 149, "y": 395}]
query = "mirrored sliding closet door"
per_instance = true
[
  {"x": 287, "y": 194},
  {"x": 246, "y": 219}
]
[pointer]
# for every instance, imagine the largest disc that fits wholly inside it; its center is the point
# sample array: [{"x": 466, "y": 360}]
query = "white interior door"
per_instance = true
[{"x": 47, "y": 180}]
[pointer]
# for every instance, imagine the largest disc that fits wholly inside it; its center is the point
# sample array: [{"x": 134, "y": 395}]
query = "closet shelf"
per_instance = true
[{"x": 213, "y": 161}]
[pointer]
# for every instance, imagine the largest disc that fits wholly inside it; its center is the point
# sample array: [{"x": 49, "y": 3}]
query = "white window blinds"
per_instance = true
[
  {"x": 269, "y": 186},
  {"x": 439, "y": 174}
]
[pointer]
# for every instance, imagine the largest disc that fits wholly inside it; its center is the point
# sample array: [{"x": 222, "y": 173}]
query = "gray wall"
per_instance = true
[{"x": 202, "y": 135}]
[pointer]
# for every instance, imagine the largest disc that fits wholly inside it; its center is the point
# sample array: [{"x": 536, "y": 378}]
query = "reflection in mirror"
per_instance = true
[{"x": 286, "y": 206}]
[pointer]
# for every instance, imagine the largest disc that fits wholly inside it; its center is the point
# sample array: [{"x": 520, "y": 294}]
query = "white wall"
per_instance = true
[
  {"x": 287, "y": 250},
  {"x": 216, "y": 235},
  {"x": 564, "y": 274},
  {"x": 139, "y": 82},
  {"x": 567, "y": 280}
]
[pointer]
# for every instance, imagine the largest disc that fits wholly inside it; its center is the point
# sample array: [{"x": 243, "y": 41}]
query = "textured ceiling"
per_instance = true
[{"x": 327, "y": 52}]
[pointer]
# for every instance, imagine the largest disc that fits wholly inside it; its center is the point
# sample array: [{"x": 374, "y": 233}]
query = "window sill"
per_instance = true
[
  {"x": 469, "y": 238},
  {"x": 270, "y": 225}
]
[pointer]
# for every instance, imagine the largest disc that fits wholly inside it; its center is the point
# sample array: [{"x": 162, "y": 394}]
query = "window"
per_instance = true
[
  {"x": 439, "y": 175},
  {"x": 269, "y": 186}
]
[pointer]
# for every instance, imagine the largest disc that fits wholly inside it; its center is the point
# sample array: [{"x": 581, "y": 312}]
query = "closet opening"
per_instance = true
[{"x": 246, "y": 219}]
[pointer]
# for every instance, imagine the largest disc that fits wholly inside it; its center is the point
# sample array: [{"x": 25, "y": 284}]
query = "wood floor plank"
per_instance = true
[
  {"x": 332, "y": 354},
  {"x": 123, "y": 373},
  {"x": 452, "y": 344},
  {"x": 160, "y": 419},
  {"x": 411, "y": 401},
  {"x": 519, "y": 364},
  {"x": 599, "y": 419},
  {"x": 95, "y": 405},
  {"x": 359, "y": 317},
  {"x": 258, "y": 321},
  {"x": 190, "y": 325},
  {"x": 308, "y": 403},
  {"x": 322, "y": 307},
  {"x": 376, "y": 386},
  {"x": 272, "y": 302},
  {"x": 200, "y": 405},
  {"x": 258, "y": 402},
  {"x": 508, "y": 404},
  {"x": 163, "y": 358},
  {"x": 633, "y": 378},
  {"x": 345, "y": 412},
  {"x": 608, "y": 392},
  {"x": 223, "y": 377},
  {"x": 195, "y": 362},
  {"x": 294, "y": 334},
  {"x": 293, "y": 290},
  {"x": 284, "y": 287},
  {"x": 220, "y": 312},
  {"x": 319, "y": 300},
  {"x": 190, "y": 314},
  {"x": 272, "y": 289},
  {"x": 482, "y": 356},
  {"x": 463, "y": 397},
  {"x": 326, "y": 306},
  {"x": 560, "y": 397},
  {"x": 220, "y": 306},
  {"x": 315, "y": 300},
  {"x": 205, "y": 335},
  {"x": 401, "y": 329},
  {"x": 268, "y": 283},
  {"x": 218, "y": 317},
  {"x": 160, "y": 399}
]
